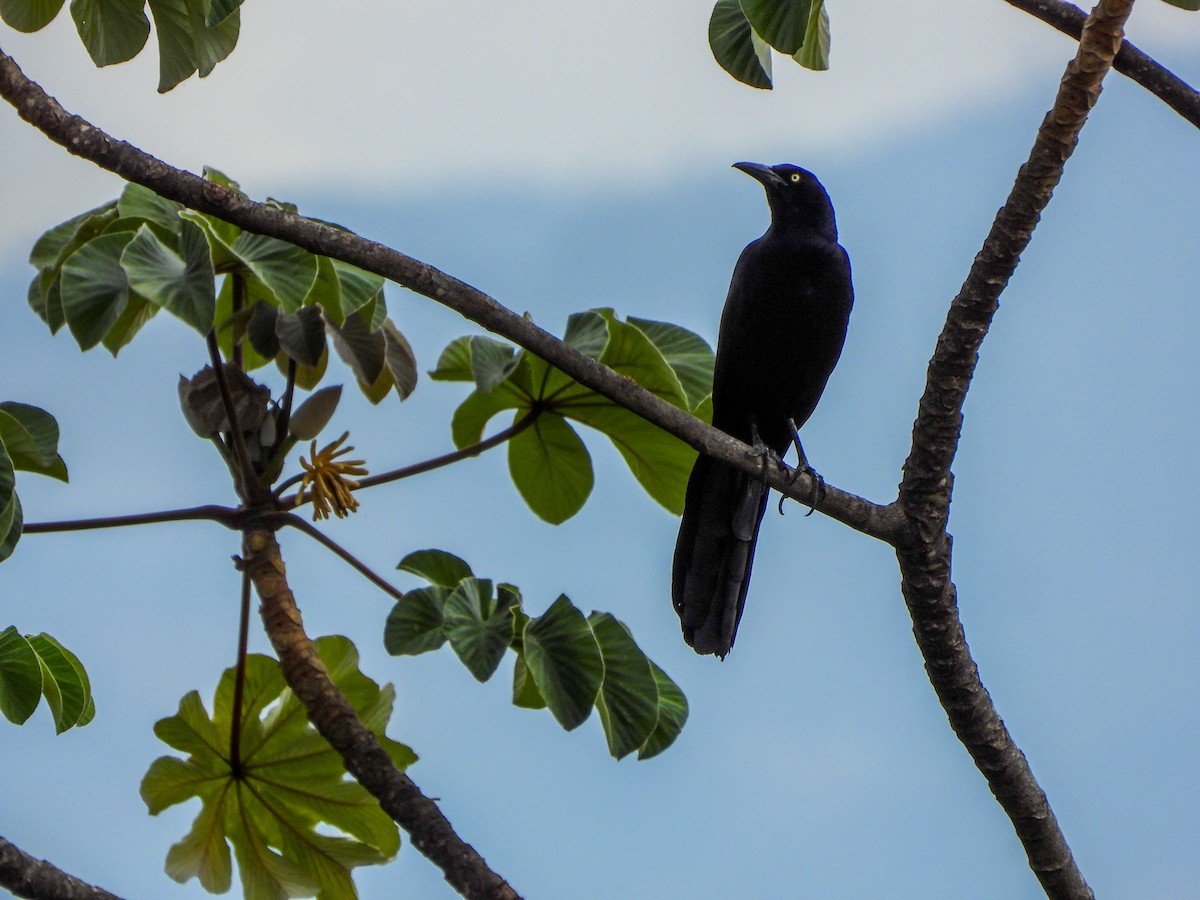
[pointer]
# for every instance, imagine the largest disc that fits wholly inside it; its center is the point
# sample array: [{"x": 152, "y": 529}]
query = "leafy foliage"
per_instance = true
[
  {"x": 106, "y": 272},
  {"x": 566, "y": 662},
  {"x": 193, "y": 35},
  {"x": 290, "y": 781},
  {"x": 36, "y": 666},
  {"x": 742, "y": 33},
  {"x": 549, "y": 463},
  {"x": 29, "y": 443}
]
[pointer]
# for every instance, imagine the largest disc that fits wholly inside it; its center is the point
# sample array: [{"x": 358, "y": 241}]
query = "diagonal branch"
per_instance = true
[
  {"x": 287, "y": 518},
  {"x": 430, "y": 832},
  {"x": 1130, "y": 61},
  {"x": 88, "y": 142},
  {"x": 927, "y": 484},
  {"x": 36, "y": 879}
]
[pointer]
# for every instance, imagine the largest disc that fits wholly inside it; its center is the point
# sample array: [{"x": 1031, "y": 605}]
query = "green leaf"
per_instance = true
[
  {"x": 287, "y": 271},
  {"x": 314, "y": 414},
  {"x": 473, "y": 414},
  {"x": 302, "y": 335},
  {"x": 203, "y": 853},
  {"x": 357, "y": 287},
  {"x": 672, "y": 715},
  {"x": 455, "y": 362},
  {"x": 361, "y": 348},
  {"x": 307, "y": 377},
  {"x": 551, "y": 468},
  {"x": 491, "y": 362},
  {"x": 71, "y": 688},
  {"x": 628, "y": 699},
  {"x": 139, "y": 202},
  {"x": 735, "y": 46},
  {"x": 525, "y": 693},
  {"x": 20, "y": 677},
  {"x": 415, "y": 624},
  {"x": 781, "y": 23},
  {"x": 399, "y": 358},
  {"x": 437, "y": 567},
  {"x": 565, "y": 662},
  {"x": 659, "y": 461},
  {"x": 94, "y": 289},
  {"x": 291, "y": 781},
  {"x": 185, "y": 43},
  {"x": 29, "y": 15},
  {"x": 138, "y": 311},
  {"x": 48, "y": 249},
  {"x": 1190, "y": 5},
  {"x": 113, "y": 31},
  {"x": 587, "y": 332},
  {"x": 220, "y": 10},
  {"x": 815, "y": 52},
  {"x": 30, "y": 438},
  {"x": 688, "y": 355},
  {"x": 12, "y": 522},
  {"x": 478, "y": 627},
  {"x": 180, "y": 280}
]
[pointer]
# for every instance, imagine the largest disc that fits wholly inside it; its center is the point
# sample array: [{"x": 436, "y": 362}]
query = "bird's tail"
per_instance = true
[{"x": 714, "y": 552}]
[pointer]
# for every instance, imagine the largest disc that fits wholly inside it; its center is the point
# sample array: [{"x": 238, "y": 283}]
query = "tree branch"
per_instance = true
[
  {"x": 36, "y": 879},
  {"x": 430, "y": 832},
  {"x": 927, "y": 484},
  {"x": 287, "y": 518},
  {"x": 230, "y": 518},
  {"x": 88, "y": 142},
  {"x": 1130, "y": 61}
]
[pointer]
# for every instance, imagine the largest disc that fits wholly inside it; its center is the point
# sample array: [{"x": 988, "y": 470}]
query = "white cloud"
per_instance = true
[{"x": 375, "y": 96}]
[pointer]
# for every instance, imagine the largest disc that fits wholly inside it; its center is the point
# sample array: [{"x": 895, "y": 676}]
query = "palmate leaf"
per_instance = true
[
  {"x": 565, "y": 662},
  {"x": 292, "y": 781},
  {"x": 549, "y": 463}
]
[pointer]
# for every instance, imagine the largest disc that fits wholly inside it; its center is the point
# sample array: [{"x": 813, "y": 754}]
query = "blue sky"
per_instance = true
[{"x": 816, "y": 761}]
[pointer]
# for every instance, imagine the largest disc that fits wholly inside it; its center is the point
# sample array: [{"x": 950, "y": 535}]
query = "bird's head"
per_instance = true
[{"x": 795, "y": 196}]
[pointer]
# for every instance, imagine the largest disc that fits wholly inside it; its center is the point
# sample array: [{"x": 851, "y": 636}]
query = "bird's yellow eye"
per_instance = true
[{"x": 795, "y": 176}]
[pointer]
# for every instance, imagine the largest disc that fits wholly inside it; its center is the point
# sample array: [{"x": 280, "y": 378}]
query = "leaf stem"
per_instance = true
[
  {"x": 239, "y": 682},
  {"x": 287, "y": 518},
  {"x": 230, "y": 518},
  {"x": 249, "y": 487},
  {"x": 290, "y": 502}
]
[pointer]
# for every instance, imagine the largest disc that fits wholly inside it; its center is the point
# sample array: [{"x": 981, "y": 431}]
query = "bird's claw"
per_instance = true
[{"x": 803, "y": 468}]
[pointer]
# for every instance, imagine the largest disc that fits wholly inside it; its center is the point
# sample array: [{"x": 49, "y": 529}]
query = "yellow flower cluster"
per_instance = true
[{"x": 328, "y": 481}]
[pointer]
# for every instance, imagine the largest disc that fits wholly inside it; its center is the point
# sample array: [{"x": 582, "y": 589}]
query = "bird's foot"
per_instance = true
[{"x": 803, "y": 468}]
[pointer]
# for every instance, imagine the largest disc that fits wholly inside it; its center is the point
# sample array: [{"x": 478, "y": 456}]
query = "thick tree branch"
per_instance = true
[
  {"x": 927, "y": 484},
  {"x": 26, "y": 876},
  {"x": 85, "y": 140},
  {"x": 1130, "y": 61},
  {"x": 335, "y": 719}
]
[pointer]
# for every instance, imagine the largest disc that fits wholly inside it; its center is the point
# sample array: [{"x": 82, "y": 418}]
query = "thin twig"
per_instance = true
[
  {"x": 249, "y": 489},
  {"x": 291, "y": 501},
  {"x": 285, "y": 408},
  {"x": 286, "y": 518},
  {"x": 239, "y": 681},
  {"x": 230, "y": 518}
]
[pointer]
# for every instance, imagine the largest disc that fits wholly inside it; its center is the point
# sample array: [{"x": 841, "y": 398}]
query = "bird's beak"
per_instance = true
[{"x": 760, "y": 173}]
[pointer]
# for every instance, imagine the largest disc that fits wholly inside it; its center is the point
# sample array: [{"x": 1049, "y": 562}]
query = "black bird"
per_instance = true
[{"x": 781, "y": 335}]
